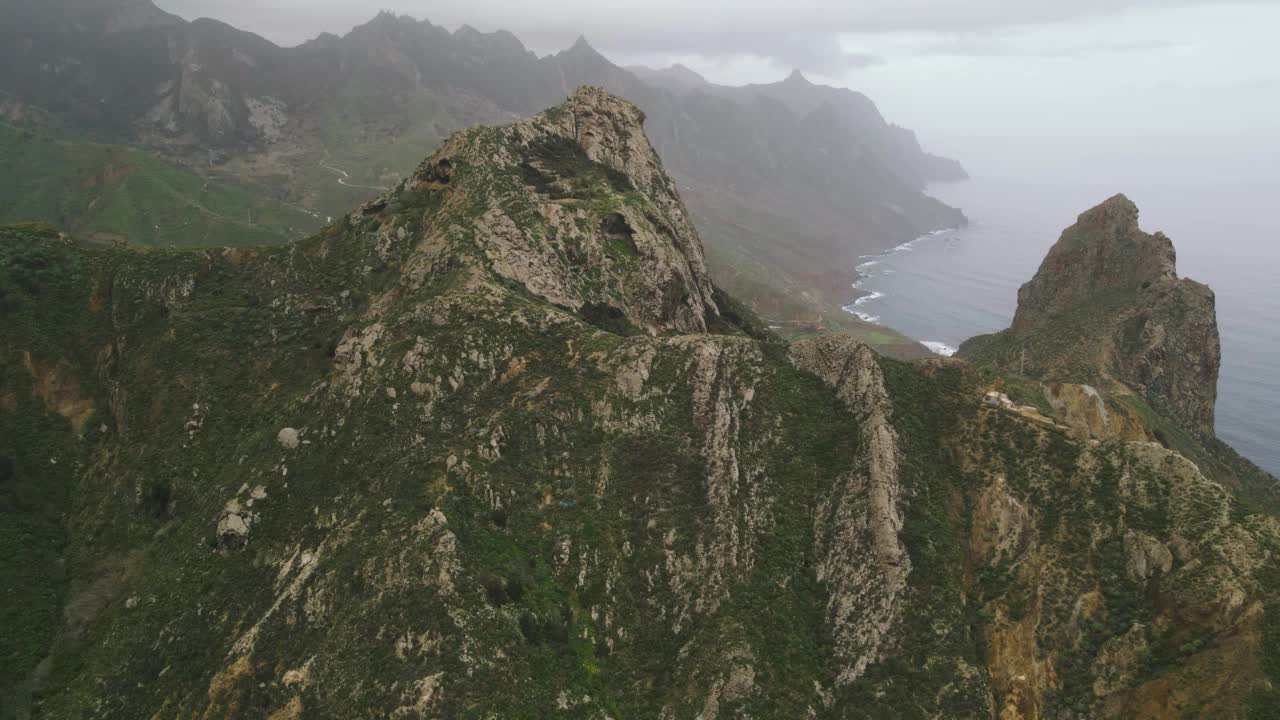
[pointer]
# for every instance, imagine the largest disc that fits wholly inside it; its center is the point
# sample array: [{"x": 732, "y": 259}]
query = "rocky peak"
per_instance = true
[
  {"x": 105, "y": 16},
  {"x": 387, "y": 18},
  {"x": 574, "y": 205},
  {"x": 1105, "y": 251},
  {"x": 797, "y": 78},
  {"x": 679, "y": 78},
  {"x": 610, "y": 131},
  {"x": 582, "y": 48},
  {"x": 1107, "y": 305}
]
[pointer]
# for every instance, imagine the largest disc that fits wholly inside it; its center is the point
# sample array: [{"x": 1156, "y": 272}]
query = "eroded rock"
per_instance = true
[
  {"x": 858, "y": 525},
  {"x": 288, "y": 438}
]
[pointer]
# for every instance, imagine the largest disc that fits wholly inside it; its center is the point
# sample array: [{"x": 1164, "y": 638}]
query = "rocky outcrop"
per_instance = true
[
  {"x": 1155, "y": 523},
  {"x": 1084, "y": 409},
  {"x": 1107, "y": 305},
  {"x": 60, "y": 392},
  {"x": 861, "y": 556},
  {"x": 634, "y": 258},
  {"x": 1103, "y": 252},
  {"x": 1168, "y": 350}
]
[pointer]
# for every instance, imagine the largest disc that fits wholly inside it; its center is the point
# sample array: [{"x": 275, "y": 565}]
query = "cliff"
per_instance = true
[
  {"x": 492, "y": 445},
  {"x": 1107, "y": 305}
]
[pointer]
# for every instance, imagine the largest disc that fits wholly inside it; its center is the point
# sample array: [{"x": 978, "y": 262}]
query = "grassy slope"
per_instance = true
[
  {"x": 113, "y": 192},
  {"x": 36, "y": 279}
]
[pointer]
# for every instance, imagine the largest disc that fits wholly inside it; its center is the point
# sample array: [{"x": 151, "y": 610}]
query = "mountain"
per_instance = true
[
  {"x": 499, "y": 429},
  {"x": 1107, "y": 307},
  {"x": 896, "y": 147},
  {"x": 677, "y": 78},
  {"x": 1108, "y": 299},
  {"x": 789, "y": 183}
]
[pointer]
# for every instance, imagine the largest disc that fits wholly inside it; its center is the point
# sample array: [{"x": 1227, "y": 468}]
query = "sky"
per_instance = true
[{"x": 994, "y": 81}]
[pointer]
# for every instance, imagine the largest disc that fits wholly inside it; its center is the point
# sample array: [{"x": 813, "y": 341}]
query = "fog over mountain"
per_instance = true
[{"x": 1030, "y": 74}]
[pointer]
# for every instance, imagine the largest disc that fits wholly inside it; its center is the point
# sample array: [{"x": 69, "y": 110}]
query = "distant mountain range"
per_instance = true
[{"x": 788, "y": 182}]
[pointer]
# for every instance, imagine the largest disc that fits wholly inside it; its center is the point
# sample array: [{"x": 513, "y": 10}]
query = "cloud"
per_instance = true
[
  {"x": 796, "y": 32},
  {"x": 999, "y": 47},
  {"x": 821, "y": 55}
]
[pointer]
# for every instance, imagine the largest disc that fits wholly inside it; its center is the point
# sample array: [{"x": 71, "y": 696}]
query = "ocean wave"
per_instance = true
[
  {"x": 864, "y": 274},
  {"x": 939, "y": 348},
  {"x": 904, "y": 247},
  {"x": 863, "y": 316}
]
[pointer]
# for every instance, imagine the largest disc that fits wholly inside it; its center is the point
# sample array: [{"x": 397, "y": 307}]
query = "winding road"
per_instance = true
[{"x": 345, "y": 175}]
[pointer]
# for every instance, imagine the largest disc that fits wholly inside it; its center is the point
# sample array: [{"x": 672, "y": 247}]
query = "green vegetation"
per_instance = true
[
  {"x": 1262, "y": 702},
  {"x": 37, "y": 470},
  {"x": 41, "y": 278},
  {"x": 488, "y": 491},
  {"x": 1256, "y": 490},
  {"x": 1023, "y": 391},
  {"x": 113, "y": 193},
  {"x": 560, "y": 168},
  {"x": 1065, "y": 350},
  {"x": 940, "y": 634}
]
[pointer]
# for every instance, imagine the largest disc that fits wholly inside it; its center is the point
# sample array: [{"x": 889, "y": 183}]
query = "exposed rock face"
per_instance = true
[
  {"x": 1085, "y": 409},
  {"x": 1168, "y": 349},
  {"x": 60, "y": 393},
  {"x": 861, "y": 556},
  {"x": 1104, "y": 251},
  {"x": 1107, "y": 303},
  {"x": 1043, "y": 618},
  {"x": 638, "y": 260}
]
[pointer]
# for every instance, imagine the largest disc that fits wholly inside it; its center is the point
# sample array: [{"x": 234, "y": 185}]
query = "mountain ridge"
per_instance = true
[
  {"x": 786, "y": 203},
  {"x": 488, "y": 430}
]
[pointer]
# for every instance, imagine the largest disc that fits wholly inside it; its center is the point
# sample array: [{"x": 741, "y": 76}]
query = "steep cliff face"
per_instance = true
[
  {"x": 1104, "y": 252},
  {"x": 1107, "y": 305},
  {"x": 495, "y": 430},
  {"x": 862, "y": 516}
]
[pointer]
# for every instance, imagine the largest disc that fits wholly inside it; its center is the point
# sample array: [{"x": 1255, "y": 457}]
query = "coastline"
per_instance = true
[{"x": 862, "y": 273}]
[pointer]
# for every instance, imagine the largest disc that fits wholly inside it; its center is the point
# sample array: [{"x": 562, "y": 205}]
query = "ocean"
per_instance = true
[{"x": 949, "y": 286}]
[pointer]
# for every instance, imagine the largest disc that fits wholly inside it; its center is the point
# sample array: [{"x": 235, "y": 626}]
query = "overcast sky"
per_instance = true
[{"x": 1166, "y": 78}]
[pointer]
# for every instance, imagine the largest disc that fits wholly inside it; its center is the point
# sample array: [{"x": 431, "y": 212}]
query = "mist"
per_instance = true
[{"x": 1012, "y": 84}]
